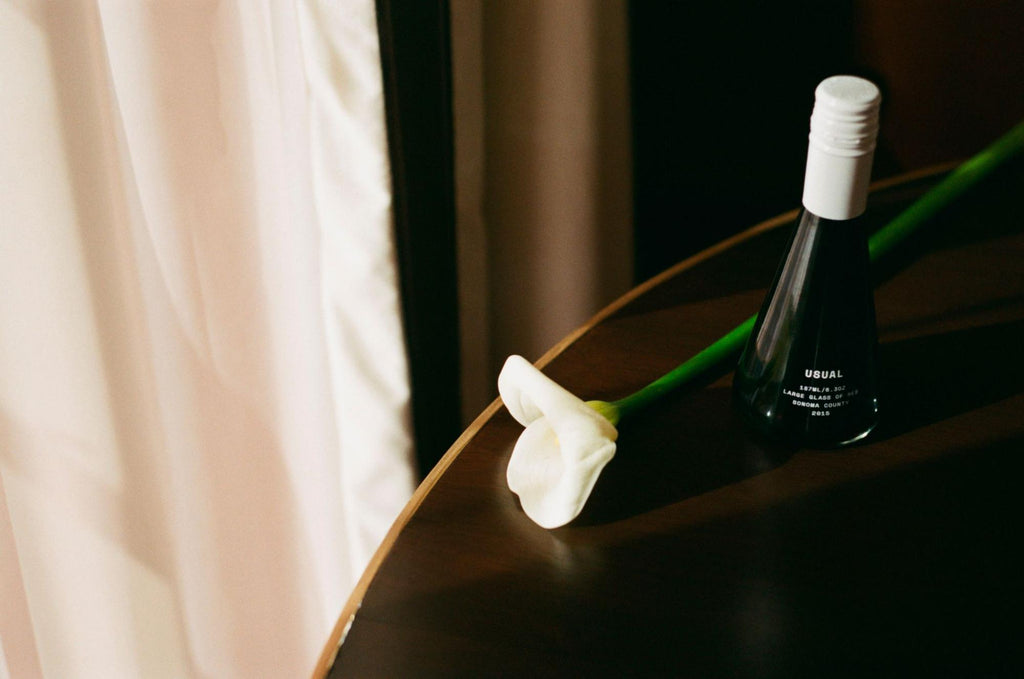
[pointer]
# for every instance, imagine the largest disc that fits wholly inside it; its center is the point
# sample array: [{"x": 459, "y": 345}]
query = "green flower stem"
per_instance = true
[
  {"x": 956, "y": 183},
  {"x": 707, "y": 360},
  {"x": 885, "y": 239}
]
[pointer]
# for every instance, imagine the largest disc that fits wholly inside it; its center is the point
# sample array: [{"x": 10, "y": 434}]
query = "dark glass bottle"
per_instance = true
[{"x": 807, "y": 376}]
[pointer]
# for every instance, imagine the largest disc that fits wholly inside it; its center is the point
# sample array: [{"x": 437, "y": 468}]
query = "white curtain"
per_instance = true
[{"x": 204, "y": 426}]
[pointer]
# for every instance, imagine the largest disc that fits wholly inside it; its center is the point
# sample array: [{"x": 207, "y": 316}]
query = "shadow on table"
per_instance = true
[
  {"x": 932, "y": 378},
  {"x": 694, "y": 443},
  {"x": 908, "y": 573},
  {"x": 689, "y": 445}
]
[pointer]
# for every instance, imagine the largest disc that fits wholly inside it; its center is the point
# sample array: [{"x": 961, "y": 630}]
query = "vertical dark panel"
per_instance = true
[{"x": 415, "y": 55}]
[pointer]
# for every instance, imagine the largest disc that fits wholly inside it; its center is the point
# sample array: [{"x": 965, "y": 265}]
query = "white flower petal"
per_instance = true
[
  {"x": 566, "y": 444},
  {"x": 528, "y": 393}
]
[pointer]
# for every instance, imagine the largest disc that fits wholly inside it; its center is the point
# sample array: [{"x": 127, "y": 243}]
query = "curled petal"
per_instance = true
[{"x": 560, "y": 454}]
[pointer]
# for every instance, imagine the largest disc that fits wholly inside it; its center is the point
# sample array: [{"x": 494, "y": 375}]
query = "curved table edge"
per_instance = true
[{"x": 352, "y": 605}]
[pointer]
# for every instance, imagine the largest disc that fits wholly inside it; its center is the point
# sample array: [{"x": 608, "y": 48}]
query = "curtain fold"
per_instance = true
[{"x": 204, "y": 403}]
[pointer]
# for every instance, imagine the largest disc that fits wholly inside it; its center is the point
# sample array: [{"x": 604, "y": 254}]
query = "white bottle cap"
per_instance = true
[{"x": 844, "y": 126}]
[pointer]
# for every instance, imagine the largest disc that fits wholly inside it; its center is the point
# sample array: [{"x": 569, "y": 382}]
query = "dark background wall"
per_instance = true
[{"x": 722, "y": 95}]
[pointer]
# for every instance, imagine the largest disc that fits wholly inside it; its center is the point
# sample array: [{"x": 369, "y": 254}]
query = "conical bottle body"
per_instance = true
[{"x": 807, "y": 376}]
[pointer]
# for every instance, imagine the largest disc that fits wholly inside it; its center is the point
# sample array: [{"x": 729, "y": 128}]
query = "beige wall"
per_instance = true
[{"x": 543, "y": 175}]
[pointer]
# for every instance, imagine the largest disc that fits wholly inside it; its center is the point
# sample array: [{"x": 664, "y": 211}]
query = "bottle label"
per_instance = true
[{"x": 822, "y": 392}]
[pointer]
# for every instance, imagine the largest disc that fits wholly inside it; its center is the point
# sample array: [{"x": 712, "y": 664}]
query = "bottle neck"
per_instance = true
[{"x": 836, "y": 186}]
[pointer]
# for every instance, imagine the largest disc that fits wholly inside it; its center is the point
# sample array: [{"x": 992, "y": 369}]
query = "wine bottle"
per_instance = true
[{"x": 807, "y": 376}]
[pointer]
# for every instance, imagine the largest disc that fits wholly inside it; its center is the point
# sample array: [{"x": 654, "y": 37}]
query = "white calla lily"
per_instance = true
[{"x": 566, "y": 444}]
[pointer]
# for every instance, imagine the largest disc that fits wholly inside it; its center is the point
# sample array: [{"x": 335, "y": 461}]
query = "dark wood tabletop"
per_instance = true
[{"x": 704, "y": 553}]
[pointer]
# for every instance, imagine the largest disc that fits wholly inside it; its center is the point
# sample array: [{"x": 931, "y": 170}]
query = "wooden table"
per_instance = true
[{"x": 703, "y": 553}]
